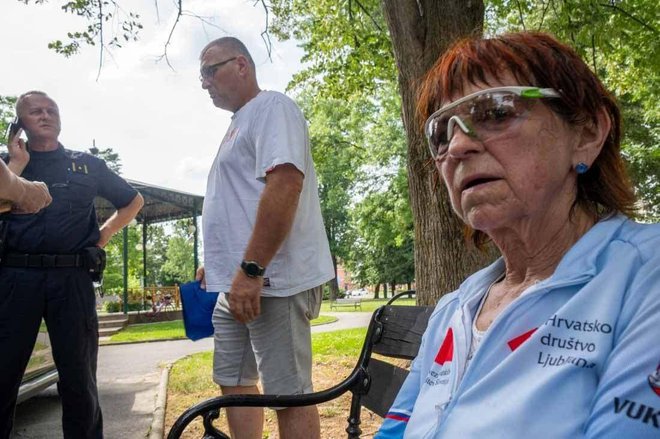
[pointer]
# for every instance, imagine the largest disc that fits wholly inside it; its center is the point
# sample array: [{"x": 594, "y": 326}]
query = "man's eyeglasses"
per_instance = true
[
  {"x": 208, "y": 72},
  {"x": 482, "y": 115}
]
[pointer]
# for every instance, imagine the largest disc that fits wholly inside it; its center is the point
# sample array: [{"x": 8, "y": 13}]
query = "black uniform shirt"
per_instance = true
[{"x": 69, "y": 223}]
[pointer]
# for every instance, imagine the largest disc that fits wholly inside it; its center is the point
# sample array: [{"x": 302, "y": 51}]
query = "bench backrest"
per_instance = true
[{"x": 401, "y": 329}]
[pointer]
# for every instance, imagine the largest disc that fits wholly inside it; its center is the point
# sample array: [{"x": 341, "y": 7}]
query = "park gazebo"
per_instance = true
[{"x": 160, "y": 205}]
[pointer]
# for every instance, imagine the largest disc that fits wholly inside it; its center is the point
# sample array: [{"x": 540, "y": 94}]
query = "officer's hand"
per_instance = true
[
  {"x": 18, "y": 153},
  {"x": 199, "y": 275},
  {"x": 34, "y": 198},
  {"x": 244, "y": 297},
  {"x": 105, "y": 237}
]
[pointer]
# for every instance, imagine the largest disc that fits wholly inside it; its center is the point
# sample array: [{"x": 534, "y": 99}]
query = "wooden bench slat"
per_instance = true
[
  {"x": 403, "y": 330},
  {"x": 386, "y": 380}
]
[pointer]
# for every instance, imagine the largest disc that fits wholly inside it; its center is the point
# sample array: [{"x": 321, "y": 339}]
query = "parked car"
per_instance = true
[
  {"x": 41, "y": 372},
  {"x": 357, "y": 293}
]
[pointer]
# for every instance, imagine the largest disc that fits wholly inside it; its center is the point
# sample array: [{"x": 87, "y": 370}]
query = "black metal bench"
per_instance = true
[{"x": 394, "y": 331}]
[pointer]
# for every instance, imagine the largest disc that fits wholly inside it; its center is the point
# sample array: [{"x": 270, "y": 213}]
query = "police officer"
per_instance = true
[{"x": 48, "y": 264}]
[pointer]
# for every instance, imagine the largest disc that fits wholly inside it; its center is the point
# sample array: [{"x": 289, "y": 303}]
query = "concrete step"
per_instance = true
[
  {"x": 111, "y": 316},
  {"x": 113, "y": 323},
  {"x": 107, "y": 332}
]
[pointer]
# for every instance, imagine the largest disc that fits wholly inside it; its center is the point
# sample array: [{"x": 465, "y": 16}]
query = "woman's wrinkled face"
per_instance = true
[{"x": 523, "y": 173}]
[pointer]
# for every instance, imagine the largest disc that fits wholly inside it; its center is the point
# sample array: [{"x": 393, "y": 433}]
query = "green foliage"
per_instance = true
[
  {"x": 7, "y": 114},
  {"x": 383, "y": 253},
  {"x": 113, "y": 278},
  {"x": 178, "y": 266},
  {"x": 105, "y": 19},
  {"x": 346, "y": 43},
  {"x": 169, "y": 257},
  {"x": 110, "y": 157},
  {"x": 111, "y": 307}
]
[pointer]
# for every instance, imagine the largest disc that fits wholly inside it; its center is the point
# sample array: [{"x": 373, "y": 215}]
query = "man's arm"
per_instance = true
[
  {"x": 119, "y": 219},
  {"x": 275, "y": 214},
  {"x": 26, "y": 196}
]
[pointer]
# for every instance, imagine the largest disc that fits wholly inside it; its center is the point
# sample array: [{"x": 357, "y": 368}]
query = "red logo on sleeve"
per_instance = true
[{"x": 446, "y": 352}]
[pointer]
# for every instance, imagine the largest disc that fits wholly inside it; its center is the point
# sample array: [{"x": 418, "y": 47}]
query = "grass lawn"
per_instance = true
[
  {"x": 368, "y": 305},
  {"x": 334, "y": 356},
  {"x": 171, "y": 330}
]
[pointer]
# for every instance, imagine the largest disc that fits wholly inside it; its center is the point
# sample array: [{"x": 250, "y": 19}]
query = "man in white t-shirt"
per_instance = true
[{"x": 265, "y": 246}]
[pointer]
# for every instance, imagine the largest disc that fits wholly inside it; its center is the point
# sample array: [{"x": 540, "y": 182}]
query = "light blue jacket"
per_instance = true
[{"x": 575, "y": 356}]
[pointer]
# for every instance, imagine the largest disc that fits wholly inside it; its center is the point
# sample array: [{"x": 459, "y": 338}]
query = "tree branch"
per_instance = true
[
  {"x": 546, "y": 6},
  {"x": 98, "y": 73},
  {"x": 629, "y": 15},
  {"x": 369, "y": 15},
  {"x": 520, "y": 14},
  {"x": 265, "y": 35},
  {"x": 593, "y": 51},
  {"x": 169, "y": 37}
]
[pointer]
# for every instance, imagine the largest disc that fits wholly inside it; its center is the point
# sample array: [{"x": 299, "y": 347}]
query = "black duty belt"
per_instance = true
[{"x": 22, "y": 260}]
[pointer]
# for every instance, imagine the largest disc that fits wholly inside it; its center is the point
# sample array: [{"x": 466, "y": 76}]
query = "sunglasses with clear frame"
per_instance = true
[{"x": 482, "y": 115}]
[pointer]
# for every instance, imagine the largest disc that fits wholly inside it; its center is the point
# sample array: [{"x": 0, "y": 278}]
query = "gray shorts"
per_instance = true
[{"x": 276, "y": 347}]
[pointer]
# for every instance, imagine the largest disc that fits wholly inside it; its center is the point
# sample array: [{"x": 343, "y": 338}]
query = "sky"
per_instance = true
[{"x": 159, "y": 119}]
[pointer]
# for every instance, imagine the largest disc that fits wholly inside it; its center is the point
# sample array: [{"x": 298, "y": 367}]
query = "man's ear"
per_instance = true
[
  {"x": 592, "y": 138},
  {"x": 243, "y": 65}
]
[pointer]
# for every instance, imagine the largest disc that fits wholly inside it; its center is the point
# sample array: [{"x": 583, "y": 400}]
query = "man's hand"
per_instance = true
[
  {"x": 106, "y": 236},
  {"x": 200, "y": 276},
  {"x": 121, "y": 218},
  {"x": 244, "y": 297},
  {"x": 18, "y": 153}
]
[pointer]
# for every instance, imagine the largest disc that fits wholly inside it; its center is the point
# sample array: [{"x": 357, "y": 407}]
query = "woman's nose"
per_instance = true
[{"x": 463, "y": 141}]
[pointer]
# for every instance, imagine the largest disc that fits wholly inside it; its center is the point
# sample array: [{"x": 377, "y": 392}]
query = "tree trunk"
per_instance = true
[
  {"x": 420, "y": 31},
  {"x": 377, "y": 291}
]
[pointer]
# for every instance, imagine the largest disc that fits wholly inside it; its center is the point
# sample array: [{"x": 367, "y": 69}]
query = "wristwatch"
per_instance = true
[{"x": 252, "y": 269}]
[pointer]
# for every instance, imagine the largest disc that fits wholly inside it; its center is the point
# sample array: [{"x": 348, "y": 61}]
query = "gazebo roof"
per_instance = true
[{"x": 160, "y": 204}]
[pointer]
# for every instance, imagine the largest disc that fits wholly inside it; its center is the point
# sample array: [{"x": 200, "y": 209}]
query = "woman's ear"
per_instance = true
[{"x": 592, "y": 137}]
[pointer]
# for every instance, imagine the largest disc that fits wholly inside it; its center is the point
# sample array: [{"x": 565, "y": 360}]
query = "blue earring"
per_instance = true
[{"x": 581, "y": 168}]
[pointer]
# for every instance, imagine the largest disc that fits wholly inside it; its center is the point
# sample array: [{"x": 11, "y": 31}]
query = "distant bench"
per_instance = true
[{"x": 354, "y": 302}]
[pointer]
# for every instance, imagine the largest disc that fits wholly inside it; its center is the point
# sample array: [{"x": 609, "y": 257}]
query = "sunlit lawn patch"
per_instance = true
[{"x": 171, "y": 330}]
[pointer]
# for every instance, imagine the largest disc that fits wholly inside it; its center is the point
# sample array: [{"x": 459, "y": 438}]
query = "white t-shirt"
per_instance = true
[{"x": 269, "y": 130}]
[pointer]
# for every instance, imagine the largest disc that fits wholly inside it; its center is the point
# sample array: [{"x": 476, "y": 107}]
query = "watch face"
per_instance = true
[{"x": 252, "y": 269}]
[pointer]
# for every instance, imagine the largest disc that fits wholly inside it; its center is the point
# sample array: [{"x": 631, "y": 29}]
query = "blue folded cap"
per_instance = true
[{"x": 198, "y": 308}]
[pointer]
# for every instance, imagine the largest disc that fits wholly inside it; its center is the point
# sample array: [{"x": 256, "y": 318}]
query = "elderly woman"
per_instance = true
[{"x": 560, "y": 337}]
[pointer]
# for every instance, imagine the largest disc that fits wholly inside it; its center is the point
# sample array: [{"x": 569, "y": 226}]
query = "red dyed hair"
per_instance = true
[{"x": 540, "y": 60}]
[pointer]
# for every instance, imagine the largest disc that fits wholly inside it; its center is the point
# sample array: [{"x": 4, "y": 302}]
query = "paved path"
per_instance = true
[{"x": 128, "y": 378}]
